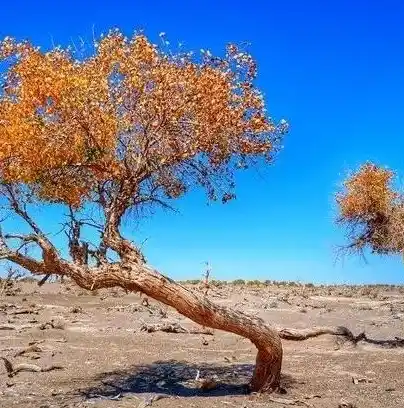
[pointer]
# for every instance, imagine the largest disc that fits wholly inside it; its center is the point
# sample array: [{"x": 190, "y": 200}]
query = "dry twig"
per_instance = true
[{"x": 12, "y": 370}]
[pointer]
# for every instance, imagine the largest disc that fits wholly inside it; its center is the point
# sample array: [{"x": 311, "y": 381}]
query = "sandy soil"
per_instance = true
[{"x": 108, "y": 362}]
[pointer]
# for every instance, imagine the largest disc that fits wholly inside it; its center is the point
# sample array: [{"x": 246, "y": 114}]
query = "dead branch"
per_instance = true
[
  {"x": 23, "y": 311},
  {"x": 14, "y": 327},
  {"x": 173, "y": 328},
  {"x": 7, "y": 327},
  {"x": 12, "y": 370},
  {"x": 7, "y": 283},
  {"x": 149, "y": 401},
  {"x": 30, "y": 349},
  {"x": 284, "y": 401},
  {"x": 43, "y": 280}
]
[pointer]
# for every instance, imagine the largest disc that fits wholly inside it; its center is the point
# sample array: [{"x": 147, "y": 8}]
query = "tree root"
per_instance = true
[
  {"x": 287, "y": 333},
  {"x": 12, "y": 370},
  {"x": 341, "y": 331},
  {"x": 304, "y": 334},
  {"x": 173, "y": 328}
]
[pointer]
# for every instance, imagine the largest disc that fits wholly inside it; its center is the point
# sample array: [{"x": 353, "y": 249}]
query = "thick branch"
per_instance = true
[
  {"x": 24, "y": 261},
  {"x": 140, "y": 277},
  {"x": 112, "y": 237},
  {"x": 50, "y": 259}
]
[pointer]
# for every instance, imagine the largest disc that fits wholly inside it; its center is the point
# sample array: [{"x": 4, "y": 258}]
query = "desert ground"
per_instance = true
[{"x": 97, "y": 354}]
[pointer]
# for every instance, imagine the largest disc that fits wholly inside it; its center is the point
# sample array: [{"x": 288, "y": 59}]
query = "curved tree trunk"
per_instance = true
[
  {"x": 140, "y": 277},
  {"x": 132, "y": 274}
]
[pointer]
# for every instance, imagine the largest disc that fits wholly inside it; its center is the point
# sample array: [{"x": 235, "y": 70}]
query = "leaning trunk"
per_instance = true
[{"x": 140, "y": 277}]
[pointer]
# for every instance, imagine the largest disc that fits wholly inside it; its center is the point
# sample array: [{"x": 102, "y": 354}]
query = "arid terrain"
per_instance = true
[{"x": 98, "y": 355}]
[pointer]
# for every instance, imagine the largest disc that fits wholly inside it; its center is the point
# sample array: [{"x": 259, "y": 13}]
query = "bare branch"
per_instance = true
[{"x": 20, "y": 209}]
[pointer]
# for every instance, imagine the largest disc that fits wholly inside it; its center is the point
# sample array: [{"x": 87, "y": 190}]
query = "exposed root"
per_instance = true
[
  {"x": 287, "y": 333},
  {"x": 304, "y": 334},
  {"x": 12, "y": 370},
  {"x": 390, "y": 343},
  {"x": 173, "y": 328}
]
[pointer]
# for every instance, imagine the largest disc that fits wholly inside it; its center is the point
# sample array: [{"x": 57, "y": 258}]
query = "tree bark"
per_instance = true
[{"x": 140, "y": 277}]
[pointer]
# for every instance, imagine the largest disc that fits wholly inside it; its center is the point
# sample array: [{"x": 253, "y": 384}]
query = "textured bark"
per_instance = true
[{"x": 140, "y": 277}]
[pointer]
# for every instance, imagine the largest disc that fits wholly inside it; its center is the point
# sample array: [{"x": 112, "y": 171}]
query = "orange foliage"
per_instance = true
[
  {"x": 372, "y": 210},
  {"x": 367, "y": 192},
  {"x": 128, "y": 111}
]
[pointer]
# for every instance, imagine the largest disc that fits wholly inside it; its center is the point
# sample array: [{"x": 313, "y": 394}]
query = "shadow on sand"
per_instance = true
[{"x": 176, "y": 378}]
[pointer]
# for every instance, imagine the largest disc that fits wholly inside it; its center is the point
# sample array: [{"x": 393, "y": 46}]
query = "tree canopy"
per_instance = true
[
  {"x": 372, "y": 210},
  {"x": 129, "y": 125},
  {"x": 73, "y": 130}
]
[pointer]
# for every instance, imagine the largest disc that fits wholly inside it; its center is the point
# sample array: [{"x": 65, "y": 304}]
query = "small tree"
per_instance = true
[
  {"x": 129, "y": 127},
  {"x": 372, "y": 211}
]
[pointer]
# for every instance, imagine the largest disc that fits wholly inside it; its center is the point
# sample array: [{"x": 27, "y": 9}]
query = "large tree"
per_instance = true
[
  {"x": 372, "y": 210},
  {"x": 130, "y": 126}
]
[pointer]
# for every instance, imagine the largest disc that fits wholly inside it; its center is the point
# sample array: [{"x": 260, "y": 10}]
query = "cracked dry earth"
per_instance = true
[{"x": 108, "y": 362}]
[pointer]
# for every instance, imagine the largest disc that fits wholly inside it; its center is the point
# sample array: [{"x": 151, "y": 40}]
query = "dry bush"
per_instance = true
[
  {"x": 238, "y": 282},
  {"x": 254, "y": 282}
]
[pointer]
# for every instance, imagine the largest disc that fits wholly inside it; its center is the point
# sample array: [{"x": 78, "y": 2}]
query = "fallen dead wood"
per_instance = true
[
  {"x": 173, "y": 328},
  {"x": 7, "y": 327},
  {"x": 284, "y": 401},
  {"x": 23, "y": 311},
  {"x": 52, "y": 324},
  {"x": 14, "y": 327},
  {"x": 149, "y": 401},
  {"x": 12, "y": 370},
  {"x": 107, "y": 397},
  {"x": 30, "y": 349}
]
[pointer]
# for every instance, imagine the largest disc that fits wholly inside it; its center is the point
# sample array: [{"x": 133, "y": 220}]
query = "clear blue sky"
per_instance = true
[{"x": 333, "y": 69}]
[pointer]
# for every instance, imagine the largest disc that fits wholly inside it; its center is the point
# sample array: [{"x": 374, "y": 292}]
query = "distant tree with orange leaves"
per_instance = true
[{"x": 372, "y": 211}]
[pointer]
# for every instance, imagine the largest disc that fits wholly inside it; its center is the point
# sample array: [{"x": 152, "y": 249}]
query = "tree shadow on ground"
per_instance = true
[{"x": 176, "y": 378}]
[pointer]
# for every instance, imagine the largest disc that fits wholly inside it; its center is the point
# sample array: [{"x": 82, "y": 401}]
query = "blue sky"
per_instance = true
[{"x": 333, "y": 69}]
